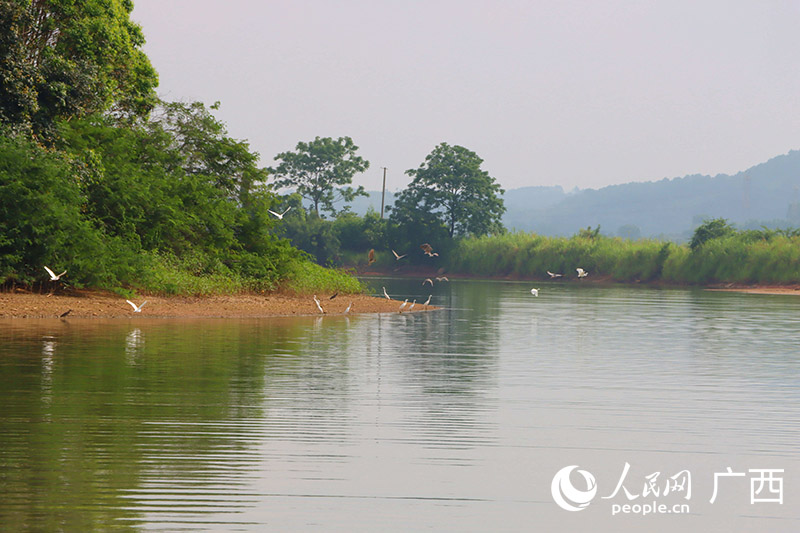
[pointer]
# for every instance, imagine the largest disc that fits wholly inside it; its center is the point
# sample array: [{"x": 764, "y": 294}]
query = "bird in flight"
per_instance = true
[
  {"x": 334, "y": 295},
  {"x": 428, "y": 280},
  {"x": 428, "y": 301},
  {"x": 443, "y": 278},
  {"x": 385, "y": 293},
  {"x": 535, "y": 292},
  {"x": 53, "y": 276},
  {"x": 553, "y": 275},
  {"x": 581, "y": 273},
  {"x": 428, "y": 250},
  {"x": 280, "y": 215},
  {"x": 136, "y": 308},
  {"x": 371, "y": 256},
  {"x": 398, "y": 257}
]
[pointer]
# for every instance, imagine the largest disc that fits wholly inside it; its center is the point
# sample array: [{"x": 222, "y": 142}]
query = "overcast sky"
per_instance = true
[{"x": 566, "y": 93}]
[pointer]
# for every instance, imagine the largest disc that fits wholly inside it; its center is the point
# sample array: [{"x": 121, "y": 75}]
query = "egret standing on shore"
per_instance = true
[
  {"x": 402, "y": 305},
  {"x": 385, "y": 293},
  {"x": 316, "y": 301},
  {"x": 428, "y": 301}
]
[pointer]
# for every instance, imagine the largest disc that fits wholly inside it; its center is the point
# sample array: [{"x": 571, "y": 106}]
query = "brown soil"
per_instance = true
[{"x": 97, "y": 304}]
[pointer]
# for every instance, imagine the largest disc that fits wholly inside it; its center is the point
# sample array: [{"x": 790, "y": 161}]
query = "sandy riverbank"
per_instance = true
[{"x": 95, "y": 304}]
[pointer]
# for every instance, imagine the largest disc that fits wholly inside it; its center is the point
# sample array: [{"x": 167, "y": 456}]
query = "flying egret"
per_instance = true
[
  {"x": 385, "y": 293},
  {"x": 553, "y": 275},
  {"x": 428, "y": 280},
  {"x": 413, "y": 304},
  {"x": 371, "y": 256},
  {"x": 316, "y": 301},
  {"x": 280, "y": 216},
  {"x": 581, "y": 273},
  {"x": 398, "y": 257},
  {"x": 443, "y": 278},
  {"x": 53, "y": 276},
  {"x": 402, "y": 305},
  {"x": 348, "y": 308},
  {"x": 428, "y": 301},
  {"x": 334, "y": 295},
  {"x": 535, "y": 292},
  {"x": 136, "y": 308}
]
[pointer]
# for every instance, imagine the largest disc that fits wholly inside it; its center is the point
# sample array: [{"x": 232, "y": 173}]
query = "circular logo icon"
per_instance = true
[{"x": 566, "y": 495}]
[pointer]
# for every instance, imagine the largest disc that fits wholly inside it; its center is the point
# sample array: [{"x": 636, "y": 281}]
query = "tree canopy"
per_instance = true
[
  {"x": 318, "y": 169},
  {"x": 61, "y": 59},
  {"x": 450, "y": 188}
]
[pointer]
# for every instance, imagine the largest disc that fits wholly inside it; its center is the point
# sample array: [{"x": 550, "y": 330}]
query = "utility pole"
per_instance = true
[{"x": 383, "y": 192}]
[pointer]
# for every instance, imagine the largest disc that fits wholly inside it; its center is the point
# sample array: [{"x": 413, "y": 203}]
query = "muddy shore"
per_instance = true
[{"x": 97, "y": 304}]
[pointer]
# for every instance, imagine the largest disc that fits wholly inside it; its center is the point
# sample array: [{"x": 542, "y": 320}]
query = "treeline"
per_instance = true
[
  {"x": 717, "y": 253},
  {"x": 101, "y": 179}
]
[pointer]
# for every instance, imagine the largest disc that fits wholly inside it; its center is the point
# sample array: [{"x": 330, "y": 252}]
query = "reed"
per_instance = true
[{"x": 740, "y": 257}]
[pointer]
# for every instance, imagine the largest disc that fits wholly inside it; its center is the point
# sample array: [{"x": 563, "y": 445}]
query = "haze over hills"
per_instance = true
[{"x": 765, "y": 194}]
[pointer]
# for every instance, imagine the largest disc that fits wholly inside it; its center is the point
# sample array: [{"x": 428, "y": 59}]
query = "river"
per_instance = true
[{"x": 595, "y": 408}]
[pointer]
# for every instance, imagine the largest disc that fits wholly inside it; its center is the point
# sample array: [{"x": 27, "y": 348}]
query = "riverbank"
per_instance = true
[
  {"x": 98, "y": 304},
  {"x": 422, "y": 273}
]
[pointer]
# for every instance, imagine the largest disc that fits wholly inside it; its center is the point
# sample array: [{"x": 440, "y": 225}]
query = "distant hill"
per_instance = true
[{"x": 764, "y": 194}]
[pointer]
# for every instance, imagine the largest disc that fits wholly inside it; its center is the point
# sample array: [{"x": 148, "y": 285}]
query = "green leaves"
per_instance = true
[
  {"x": 450, "y": 188},
  {"x": 318, "y": 169}
]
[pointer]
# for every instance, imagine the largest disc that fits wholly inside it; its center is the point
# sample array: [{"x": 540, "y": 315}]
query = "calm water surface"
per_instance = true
[{"x": 454, "y": 420}]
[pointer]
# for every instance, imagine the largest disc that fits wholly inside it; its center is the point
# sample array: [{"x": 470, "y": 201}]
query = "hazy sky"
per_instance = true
[{"x": 566, "y": 93}]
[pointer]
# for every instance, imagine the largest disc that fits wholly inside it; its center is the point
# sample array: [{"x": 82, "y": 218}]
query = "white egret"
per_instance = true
[
  {"x": 553, "y": 275},
  {"x": 535, "y": 292},
  {"x": 581, "y": 272},
  {"x": 443, "y": 278},
  {"x": 136, "y": 308},
  {"x": 428, "y": 280},
  {"x": 413, "y": 304},
  {"x": 348, "y": 308},
  {"x": 428, "y": 301},
  {"x": 316, "y": 301},
  {"x": 402, "y": 305},
  {"x": 280, "y": 216},
  {"x": 53, "y": 276},
  {"x": 398, "y": 257},
  {"x": 385, "y": 294}
]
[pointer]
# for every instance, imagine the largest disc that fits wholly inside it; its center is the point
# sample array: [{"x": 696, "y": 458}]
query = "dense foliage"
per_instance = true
[
  {"x": 730, "y": 256},
  {"x": 100, "y": 179}
]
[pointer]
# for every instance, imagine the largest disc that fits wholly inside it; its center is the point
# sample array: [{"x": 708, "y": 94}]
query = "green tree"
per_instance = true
[
  {"x": 61, "y": 59},
  {"x": 451, "y": 188},
  {"x": 710, "y": 229},
  {"x": 317, "y": 170}
]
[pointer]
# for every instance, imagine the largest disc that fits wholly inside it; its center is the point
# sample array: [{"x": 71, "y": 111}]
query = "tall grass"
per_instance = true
[
  {"x": 739, "y": 257},
  {"x": 308, "y": 278}
]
